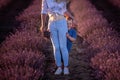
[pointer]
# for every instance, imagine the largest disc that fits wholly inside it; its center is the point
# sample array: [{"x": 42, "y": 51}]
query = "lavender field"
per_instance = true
[{"x": 27, "y": 55}]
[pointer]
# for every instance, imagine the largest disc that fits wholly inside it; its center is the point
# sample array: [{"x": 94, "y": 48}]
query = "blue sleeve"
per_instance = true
[{"x": 74, "y": 34}]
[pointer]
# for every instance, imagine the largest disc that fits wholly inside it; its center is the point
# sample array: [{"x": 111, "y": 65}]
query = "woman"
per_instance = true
[{"x": 57, "y": 25}]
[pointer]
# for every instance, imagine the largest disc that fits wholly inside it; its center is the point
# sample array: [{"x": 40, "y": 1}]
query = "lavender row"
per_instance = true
[{"x": 104, "y": 48}]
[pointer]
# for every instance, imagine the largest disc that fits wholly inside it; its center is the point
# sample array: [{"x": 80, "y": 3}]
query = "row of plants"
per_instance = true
[
  {"x": 22, "y": 54},
  {"x": 4, "y": 3},
  {"x": 115, "y": 2},
  {"x": 104, "y": 48}
]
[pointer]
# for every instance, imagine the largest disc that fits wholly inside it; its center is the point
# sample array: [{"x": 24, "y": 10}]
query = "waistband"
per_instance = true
[{"x": 56, "y": 16}]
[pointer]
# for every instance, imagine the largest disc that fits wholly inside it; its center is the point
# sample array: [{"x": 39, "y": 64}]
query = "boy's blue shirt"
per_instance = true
[{"x": 72, "y": 33}]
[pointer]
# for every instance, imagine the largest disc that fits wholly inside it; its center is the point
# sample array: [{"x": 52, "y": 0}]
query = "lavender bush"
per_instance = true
[
  {"x": 22, "y": 54},
  {"x": 104, "y": 47},
  {"x": 22, "y": 65},
  {"x": 115, "y": 2},
  {"x": 4, "y": 3}
]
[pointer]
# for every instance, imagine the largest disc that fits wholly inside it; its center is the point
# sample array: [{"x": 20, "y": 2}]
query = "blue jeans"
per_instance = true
[{"x": 58, "y": 30}]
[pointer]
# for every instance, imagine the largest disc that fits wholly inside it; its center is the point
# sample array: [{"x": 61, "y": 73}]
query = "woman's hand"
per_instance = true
[{"x": 42, "y": 29}]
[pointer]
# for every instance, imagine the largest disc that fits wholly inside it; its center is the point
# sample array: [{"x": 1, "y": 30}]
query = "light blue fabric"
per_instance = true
[
  {"x": 50, "y": 7},
  {"x": 58, "y": 30}
]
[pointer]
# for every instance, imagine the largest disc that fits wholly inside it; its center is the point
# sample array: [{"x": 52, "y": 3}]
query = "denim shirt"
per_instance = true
[
  {"x": 72, "y": 32},
  {"x": 50, "y": 7}
]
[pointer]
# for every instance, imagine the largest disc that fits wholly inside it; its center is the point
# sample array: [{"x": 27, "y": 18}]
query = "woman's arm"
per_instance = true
[
  {"x": 43, "y": 21},
  {"x": 44, "y": 9}
]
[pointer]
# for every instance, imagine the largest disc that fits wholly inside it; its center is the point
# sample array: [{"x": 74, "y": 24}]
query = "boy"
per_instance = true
[{"x": 71, "y": 35}]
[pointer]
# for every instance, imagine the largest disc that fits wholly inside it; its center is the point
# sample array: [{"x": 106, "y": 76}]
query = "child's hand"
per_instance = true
[
  {"x": 67, "y": 35},
  {"x": 70, "y": 38}
]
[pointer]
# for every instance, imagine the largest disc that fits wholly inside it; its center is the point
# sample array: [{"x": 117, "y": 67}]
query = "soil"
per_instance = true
[{"x": 79, "y": 64}]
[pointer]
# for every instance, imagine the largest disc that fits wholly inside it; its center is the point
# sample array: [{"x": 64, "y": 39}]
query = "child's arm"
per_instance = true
[{"x": 70, "y": 38}]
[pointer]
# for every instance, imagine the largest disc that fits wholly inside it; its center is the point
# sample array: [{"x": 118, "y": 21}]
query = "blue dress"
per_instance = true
[{"x": 72, "y": 33}]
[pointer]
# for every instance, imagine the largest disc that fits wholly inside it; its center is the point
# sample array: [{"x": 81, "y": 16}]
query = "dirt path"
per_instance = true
[{"x": 79, "y": 66}]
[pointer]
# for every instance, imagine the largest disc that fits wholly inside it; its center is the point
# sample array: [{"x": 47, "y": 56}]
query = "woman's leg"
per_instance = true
[
  {"x": 62, "y": 30},
  {"x": 55, "y": 43}
]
